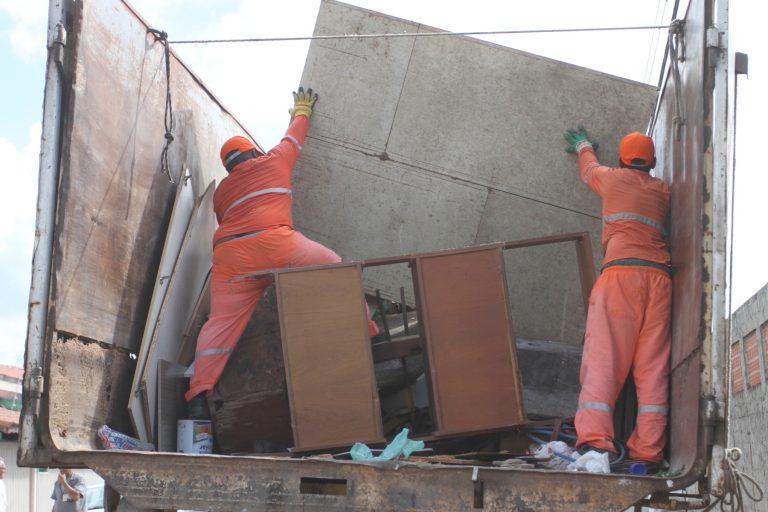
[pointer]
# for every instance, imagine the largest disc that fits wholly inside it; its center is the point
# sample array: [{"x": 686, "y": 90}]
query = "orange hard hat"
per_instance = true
[
  {"x": 235, "y": 147},
  {"x": 636, "y": 150}
]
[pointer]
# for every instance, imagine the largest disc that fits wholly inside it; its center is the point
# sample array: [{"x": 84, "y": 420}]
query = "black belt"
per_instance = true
[
  {"x": 234, "y": 237},
  {"x": 638, "y": 262}
]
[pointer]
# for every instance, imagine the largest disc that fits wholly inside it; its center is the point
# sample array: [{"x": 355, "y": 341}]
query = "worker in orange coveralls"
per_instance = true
[
  {"x": 628, "y": 323},
  {"x": 253, "y": 208}
]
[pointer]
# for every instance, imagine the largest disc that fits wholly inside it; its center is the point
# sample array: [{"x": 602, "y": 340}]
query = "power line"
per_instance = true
[{"x": 418, "y": 34}]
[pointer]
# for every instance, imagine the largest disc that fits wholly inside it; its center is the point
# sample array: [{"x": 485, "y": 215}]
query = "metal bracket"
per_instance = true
[
  {"x": 58, "y": 45},
  {"x": 716, "y": 39},
  {"x": 741, "y": 63},
  {"x": 717, "y": 42},
  {"x": 36, "y": 387},
  {"x": 711, "y": 418}
]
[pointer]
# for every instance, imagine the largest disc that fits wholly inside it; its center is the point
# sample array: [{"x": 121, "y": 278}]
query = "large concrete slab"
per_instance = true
[{"x": 429, "y": 143}]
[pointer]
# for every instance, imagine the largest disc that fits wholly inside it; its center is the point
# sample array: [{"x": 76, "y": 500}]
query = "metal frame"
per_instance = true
[{"x": 44, "y": 230}]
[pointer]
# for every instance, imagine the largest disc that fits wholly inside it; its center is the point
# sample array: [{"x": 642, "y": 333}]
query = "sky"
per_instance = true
[{"x": 258, "y": 93}]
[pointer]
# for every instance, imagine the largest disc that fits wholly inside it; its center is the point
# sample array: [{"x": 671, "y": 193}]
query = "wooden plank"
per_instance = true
[
  {"x": 474, "y": 376},
  {"x": 186, "y": 282},
  {"x": 331, "y": 384},
  {"x": 183, "y": 205},
  {"x": 397, "y": 348},
  {"x": 171, "y": 386},
  {"x": 114, "y": 203}
]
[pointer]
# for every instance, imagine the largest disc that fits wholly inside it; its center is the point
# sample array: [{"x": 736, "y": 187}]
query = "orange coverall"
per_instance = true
[
  {"x": 253, "y": 200},
  {"x": 628, "y": 323}
]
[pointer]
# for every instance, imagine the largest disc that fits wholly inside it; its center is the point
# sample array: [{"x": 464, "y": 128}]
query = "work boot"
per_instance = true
[{"x": 197, "y": 408}]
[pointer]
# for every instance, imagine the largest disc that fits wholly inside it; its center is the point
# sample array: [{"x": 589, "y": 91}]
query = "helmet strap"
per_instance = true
[{"x": 242, "y": 157}]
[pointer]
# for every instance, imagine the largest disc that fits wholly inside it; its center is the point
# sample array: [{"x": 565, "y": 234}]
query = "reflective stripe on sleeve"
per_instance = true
[
  {"x": 293, "y": 139},
  {"x": 636, "y": 216},
  {"x": 213, "y": 352},
  {"x": 256, "y": 193},
  {"x": 595, "y": 405},
  {"x": 660, "y": 409}
]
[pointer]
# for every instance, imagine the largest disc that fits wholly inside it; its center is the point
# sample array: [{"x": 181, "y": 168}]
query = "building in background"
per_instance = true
[
  {"x": 748, "y": 416},
  {"x": 10, "y": 400}
]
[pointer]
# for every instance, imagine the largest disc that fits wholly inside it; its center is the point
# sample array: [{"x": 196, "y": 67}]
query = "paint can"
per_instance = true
[{"x": 194, "y": 436}]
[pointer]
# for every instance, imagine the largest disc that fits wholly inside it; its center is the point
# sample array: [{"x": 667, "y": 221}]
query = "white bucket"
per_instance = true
[{"x": 194, "y": 436}]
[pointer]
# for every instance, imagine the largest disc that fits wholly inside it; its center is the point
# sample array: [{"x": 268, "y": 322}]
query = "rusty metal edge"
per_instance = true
[{"x": 153, "y": 481}]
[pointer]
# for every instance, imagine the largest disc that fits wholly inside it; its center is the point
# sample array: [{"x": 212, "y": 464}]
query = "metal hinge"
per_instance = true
[
  {"x": 58, "y": 45},
  {"x": 716, "y": 39},
  {"x": 36, "y": 387},
  {"x": 717, "y": 44}
]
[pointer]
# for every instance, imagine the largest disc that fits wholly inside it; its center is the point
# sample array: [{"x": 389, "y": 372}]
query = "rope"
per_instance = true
[
  {"x": 734, "y": 486},
  {"x": 168, "y": 118},
  {"x": 418, "y": 34},
  {"x": 677, "y": 43}
]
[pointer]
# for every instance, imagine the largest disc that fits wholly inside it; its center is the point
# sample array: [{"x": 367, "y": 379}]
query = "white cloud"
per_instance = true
[
  {"x": 18, "y": 195},
  {"x": 18, "y": 198},
  {"x": 13, "y": 332},
  {"x": 28, "y": 33}
]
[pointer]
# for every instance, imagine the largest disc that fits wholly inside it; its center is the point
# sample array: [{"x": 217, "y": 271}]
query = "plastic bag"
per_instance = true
[
  {"x": 114, "y": 440},
  {"x": 593, "y": 462},
  {"x": 559, "y": 455},
  {"x": 400, "y": 446}
]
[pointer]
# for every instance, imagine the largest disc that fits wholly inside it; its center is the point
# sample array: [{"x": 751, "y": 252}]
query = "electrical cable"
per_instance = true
[
  {"x": 654, "y": 47},
  {"x": 735, "y": 487},
  {"x": 418, "y": 34}
]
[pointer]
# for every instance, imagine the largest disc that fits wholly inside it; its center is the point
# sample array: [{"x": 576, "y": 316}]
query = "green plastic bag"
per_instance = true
[{"x": 400, "y": 446}]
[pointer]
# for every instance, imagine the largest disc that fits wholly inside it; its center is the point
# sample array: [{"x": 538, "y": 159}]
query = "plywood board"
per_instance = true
[
  {"x": 186, "y": 283},
  {"x": 331, "y": 385},
  {"x": 475, "y": 380},
  {"x": 114, "y": 203},
  {"x": 183, "y": 206}
]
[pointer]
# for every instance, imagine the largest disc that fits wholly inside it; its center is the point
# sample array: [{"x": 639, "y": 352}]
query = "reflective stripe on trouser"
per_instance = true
[
  {"x": 628, "y": 326},
  {"x": 233, "y": 301}
]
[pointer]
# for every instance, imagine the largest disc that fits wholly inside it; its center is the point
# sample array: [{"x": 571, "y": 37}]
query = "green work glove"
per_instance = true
[
  {"x": 303, "y": 103},
  {"x": 578, "y": 139}
]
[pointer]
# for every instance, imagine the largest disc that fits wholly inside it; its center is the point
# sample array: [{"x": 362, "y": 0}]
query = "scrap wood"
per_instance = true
[
  {"x": 505, "y": 454},
  {"x": 448, "y": 459}
]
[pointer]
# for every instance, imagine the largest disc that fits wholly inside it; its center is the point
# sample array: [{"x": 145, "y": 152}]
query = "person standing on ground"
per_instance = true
[
  {"x": 253, "y": 208},
  {"x": 68, "y": 492},
  {"x": 628, "y": 322}
]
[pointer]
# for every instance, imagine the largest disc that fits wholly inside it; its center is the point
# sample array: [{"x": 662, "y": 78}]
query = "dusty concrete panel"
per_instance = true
[
  {"x": 420, "y": 144},
  {"x": 543, "y": 281},
  {"x": 495, "y": 116}
]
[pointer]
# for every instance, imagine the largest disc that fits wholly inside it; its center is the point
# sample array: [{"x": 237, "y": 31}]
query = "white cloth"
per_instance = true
[{"x": 593, "y": 462}]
